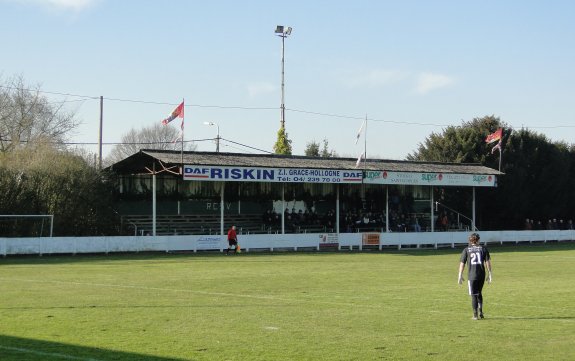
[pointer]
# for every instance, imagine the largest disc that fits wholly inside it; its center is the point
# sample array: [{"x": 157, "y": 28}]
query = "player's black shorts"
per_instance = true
[
  {"x": 475, "y": 286},
  {"x": 232, "y": 242}
]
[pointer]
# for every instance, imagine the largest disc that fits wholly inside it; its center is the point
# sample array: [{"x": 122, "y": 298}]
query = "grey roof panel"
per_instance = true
[{"x": 144, "y": 158}]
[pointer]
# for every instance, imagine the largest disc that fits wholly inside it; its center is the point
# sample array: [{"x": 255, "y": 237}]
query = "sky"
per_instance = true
[{"x": 411, "y": 68}]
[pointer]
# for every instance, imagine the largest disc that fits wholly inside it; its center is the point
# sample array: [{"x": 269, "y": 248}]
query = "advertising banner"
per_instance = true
[
  {"x": 328, "y": 240},
  {"x": 285, "y": 175},
  {"x": 431, "y": 179},
  {"x": 337, "y": 176},
  {"x": 370, "y": 239}
]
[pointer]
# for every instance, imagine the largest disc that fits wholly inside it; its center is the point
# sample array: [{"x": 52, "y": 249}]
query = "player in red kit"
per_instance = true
[{"x": 232, "y": 240}]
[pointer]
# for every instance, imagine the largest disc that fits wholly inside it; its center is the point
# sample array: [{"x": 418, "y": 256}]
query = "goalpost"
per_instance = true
[{"x": 29, "y": 222}]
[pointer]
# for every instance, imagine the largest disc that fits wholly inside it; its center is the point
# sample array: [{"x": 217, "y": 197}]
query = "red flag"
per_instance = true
[
  {"x": 495, "y": 136},
  {"x": 177, "y": 113}
]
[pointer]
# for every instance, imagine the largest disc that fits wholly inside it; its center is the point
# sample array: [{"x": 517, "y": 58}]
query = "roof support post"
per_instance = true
[
  {"x": 283, "y": 207},
  {"x": 387, "y": 209},
  {"x": 154, "y": 199},
  {"x": 431, "y": 217},
  {"x": 337, "y": 210},
  {"x": 473, "y": 227},
  {"x": 222, "y": 206}
]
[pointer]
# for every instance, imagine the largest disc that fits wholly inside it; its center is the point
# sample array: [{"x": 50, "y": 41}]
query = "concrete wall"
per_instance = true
[{"x": 271, "y": 242}]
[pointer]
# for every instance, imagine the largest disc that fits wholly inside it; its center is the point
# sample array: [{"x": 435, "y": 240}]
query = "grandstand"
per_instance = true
[{"x": 203, "y": 193}]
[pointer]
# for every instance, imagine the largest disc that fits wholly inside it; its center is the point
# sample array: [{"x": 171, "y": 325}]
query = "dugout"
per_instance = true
[{"x": 173, "y": 192}]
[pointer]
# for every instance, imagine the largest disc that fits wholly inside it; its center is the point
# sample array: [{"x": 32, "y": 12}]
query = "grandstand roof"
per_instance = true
[{"x": 143, "y": 160}]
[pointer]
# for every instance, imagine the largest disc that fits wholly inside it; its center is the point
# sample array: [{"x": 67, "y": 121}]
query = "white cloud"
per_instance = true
[
  {"x": 74, "y": 5},
  {"x": 427, "y": 82},
  {"x": 257, "y": 89},
  {"x": 376, "y": 78}
]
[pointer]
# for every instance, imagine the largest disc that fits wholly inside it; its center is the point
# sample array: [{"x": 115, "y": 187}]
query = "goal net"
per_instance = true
[{"x": 26, "y": 225}]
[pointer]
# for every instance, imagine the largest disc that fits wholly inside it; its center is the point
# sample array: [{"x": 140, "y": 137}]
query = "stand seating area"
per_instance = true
[
  {"x": 209, "y": 224},
  {"x": 183, "y": 224}
]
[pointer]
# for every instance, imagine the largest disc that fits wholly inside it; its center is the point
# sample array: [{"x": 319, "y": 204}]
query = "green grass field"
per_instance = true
[{"x": 391, "y": 305}]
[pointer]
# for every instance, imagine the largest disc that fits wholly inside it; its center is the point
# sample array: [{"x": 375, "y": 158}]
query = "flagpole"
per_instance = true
[
  {"x": 365, "y": 144},
  {"x": 182, "y": 151},
  {"x": 364, "y": 162}
]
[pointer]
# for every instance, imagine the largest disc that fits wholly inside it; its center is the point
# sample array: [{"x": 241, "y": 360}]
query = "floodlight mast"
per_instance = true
[{"x": 283, "y": 32}]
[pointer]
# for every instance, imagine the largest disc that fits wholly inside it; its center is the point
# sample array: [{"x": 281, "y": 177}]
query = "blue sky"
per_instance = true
[{"x": 411, "y": 67}]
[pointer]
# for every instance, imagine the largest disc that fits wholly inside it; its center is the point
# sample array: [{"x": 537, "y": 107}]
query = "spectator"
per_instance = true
[
  {"x": 415, "y": 227},
  {"x": 305, "y": 217},
  {"x": 294, "y": 215},
  {"x": 366, "y": 220},
  {"x": 314, "y": 219},
  {"x": 444, "y": 222},
  {"x": 267, "y": 218},
  {"x": 527, "y": 225},
  {"x": 329, "y": 219}
]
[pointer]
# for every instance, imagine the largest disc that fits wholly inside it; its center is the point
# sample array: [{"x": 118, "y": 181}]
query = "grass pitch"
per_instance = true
[{"x": 391, "y": 305}]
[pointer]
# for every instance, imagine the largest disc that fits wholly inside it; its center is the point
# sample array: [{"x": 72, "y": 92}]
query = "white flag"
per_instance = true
[
  {"x": 359, "y": 131},
  {"x": 498, "y": 146},
  {"x": 359, "y": 160}
]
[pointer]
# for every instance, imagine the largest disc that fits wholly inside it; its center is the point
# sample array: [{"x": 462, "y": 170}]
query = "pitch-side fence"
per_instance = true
[{"x": 269, "y": 242}]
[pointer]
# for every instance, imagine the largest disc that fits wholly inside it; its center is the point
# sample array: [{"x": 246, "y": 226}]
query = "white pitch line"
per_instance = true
[{"x": 51, "y": 354}]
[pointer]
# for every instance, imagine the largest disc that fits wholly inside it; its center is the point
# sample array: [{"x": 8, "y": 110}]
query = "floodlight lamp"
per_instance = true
[
  {"x": 288, "y": 31},
  {"x": 279, "y": 29},
  {"x": 208, "y": 123}
]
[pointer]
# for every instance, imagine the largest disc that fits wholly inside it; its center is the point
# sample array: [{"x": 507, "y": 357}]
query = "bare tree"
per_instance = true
[
  {"x": 27, "y": 117},
  {"x": 156, "y": 136}
]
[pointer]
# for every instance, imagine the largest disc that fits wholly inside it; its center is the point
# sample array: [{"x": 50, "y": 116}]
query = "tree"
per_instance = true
[
  {"x": 325, "y": 152},
  {"x": 536, "y": 179},
  {"x": 283, "y": 143},
  {"x": 46, "y": 180},
  {"x": 312, "y": 150},
  {"x": 26, "y": 116},
  {"x": 461, "y": 144},
  {"x": 156, "y": 136},
  {"x": 536, "y": 183}
]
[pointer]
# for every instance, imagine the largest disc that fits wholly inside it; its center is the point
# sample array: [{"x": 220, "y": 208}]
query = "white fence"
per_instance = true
[{"x": 269, "y": 242}]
